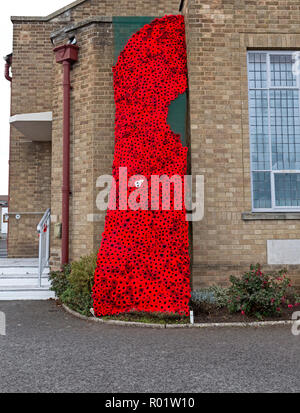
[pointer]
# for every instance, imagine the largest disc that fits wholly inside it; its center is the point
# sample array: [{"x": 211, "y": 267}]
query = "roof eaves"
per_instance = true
[{"x": 78, "y": 25}]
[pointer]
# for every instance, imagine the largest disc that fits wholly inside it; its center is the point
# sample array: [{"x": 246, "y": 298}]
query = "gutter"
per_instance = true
[
  {"x": 8, "y": 62},
  {"x": 66, "y": 55}
]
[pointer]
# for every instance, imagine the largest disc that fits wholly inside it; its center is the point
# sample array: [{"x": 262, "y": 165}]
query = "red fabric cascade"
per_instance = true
[{"x": 143, "y": 262}]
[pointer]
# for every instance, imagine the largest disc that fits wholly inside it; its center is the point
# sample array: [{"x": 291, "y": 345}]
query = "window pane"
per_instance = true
[
  {"x": 261, "y": 189},
  {"x": 257, "y": 70},
  {"x": 287, "y": 190},
  {"x": 259, "y": 130},
  {"x": 274, "y": 129},
  {"x": 285, "y": 129},
  {"x": 281, "y": 70}
]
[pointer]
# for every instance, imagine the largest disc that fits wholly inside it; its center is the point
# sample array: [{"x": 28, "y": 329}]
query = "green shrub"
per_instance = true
[
  {"x": 255, "y": 293},
  {"x": 59, "y": 280},
  {"x": 221, "y": 295},
  {"x": 74, "y": 285},
  {"x": 204, "y": 295},
  {"x": 259, "y": 294},
  {"x": 204, "y": 299}
]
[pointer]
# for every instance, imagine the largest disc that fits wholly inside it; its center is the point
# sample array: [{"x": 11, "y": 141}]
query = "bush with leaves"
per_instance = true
[
  {"x": 204, "y": 299},
  {"x": 59, "y": 280},
  {"x": 255, "y": 293},
  {"x": 260, "y": 294},
  {"x": 73, "y": 286}
]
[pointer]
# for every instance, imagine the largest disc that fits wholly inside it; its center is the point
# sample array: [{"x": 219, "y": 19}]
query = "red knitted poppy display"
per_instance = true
[{"x": 143, "y": 262}]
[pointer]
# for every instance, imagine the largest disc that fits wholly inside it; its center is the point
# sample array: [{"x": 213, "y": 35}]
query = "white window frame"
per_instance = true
[{"x": 272, "y": 172}]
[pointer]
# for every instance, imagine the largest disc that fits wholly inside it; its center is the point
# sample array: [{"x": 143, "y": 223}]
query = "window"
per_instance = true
[{"x": 274, "y": 131}]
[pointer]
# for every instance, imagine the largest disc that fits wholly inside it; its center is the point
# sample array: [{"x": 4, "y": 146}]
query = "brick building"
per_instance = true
[{"x": 240, "y": 56}]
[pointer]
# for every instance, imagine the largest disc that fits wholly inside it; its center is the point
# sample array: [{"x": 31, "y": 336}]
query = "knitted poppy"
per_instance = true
[{"x": 143, "y": 262}]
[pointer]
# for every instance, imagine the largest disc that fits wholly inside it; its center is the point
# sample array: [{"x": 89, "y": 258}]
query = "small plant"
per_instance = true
[
  {"x": 205, "y": 299},
  {"x": 259, "y": 294},
  {"x": 73, "y": 286},
  {"x": 203, "y": 296},
  {"x": 59, "y": 280},
  {"x": 221, "y": 295}
]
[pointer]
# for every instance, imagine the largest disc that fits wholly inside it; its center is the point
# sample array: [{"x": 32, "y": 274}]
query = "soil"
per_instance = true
[
  {"x": 224, "y": 316},
  {"x": 213, "y": 315}
]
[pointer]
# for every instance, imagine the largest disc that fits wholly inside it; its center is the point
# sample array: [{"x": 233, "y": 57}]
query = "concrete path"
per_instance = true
[{"x": 48, "y": 350}]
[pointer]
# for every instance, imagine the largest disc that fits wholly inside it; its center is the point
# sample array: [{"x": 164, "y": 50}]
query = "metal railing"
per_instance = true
[{"x": 43, "y": 230}]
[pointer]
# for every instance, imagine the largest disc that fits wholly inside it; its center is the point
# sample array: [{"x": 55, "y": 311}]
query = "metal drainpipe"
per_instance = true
[
  {"x": 66, "y": 55},
  {"x": 8, "y": 62},
  {"x": 181, "y": 5}
]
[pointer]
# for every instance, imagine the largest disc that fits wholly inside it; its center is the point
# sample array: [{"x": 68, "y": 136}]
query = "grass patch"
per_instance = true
[{"x": 153, "y": 318}]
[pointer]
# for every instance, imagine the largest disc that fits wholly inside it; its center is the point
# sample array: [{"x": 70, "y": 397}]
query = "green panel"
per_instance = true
[
  {"x": 177, "y": 117},
  {"x": 124, "y": 28}
]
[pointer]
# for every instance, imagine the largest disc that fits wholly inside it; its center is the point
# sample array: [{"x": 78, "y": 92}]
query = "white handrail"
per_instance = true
[{"x": 43, "y": 230}]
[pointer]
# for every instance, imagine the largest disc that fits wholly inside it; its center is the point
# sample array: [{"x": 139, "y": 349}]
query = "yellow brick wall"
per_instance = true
[
  {"x": 92, "y": 120},
  {"x": 218, "y": 35},
  {"x": 30, "y": 162},
  {"x": 37, "y": 87},
  {"x": 92, "y": 138}
]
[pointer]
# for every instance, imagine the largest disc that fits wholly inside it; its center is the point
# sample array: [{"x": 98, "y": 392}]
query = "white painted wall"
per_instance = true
[{"x": 3, "y": 225}]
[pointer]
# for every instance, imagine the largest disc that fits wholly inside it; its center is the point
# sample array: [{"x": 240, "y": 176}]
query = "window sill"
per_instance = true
[{"x": 254, "y": 216}]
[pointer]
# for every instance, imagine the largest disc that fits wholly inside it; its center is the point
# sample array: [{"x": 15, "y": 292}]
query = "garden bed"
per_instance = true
[
  {"x": 224, "y": 316},
  {"x": 152, "y": 323},
  {"x": 255, "y": 296},
  {"x": 214, "y": 316}
]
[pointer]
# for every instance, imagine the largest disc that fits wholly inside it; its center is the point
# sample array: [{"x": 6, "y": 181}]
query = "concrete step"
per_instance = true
[
  {"x": 21, "y": 270},
  {"x": 19, "y": 262},
  {"x": 23, "y": 276},
  {"x": 25, "y": 293},
  {"x": 19, "y": 280},
  {"x": 15, "y": 280}
]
